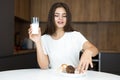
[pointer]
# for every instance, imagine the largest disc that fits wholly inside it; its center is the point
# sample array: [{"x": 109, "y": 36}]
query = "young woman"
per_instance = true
[{"x": 61, "y": 44}]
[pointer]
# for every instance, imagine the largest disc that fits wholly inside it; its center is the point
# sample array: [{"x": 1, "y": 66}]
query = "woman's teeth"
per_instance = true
[{"x": 60, "y": 22}]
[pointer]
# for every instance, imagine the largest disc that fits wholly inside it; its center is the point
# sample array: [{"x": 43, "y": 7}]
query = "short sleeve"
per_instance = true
[{"x": 80, "y": 39}]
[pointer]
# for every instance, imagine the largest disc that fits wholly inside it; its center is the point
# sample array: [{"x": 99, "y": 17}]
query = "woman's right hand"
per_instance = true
[{"x": 34, "y": 37}]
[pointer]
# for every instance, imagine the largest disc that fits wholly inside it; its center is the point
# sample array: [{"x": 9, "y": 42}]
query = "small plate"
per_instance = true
[{"x": 72, "y": 74}]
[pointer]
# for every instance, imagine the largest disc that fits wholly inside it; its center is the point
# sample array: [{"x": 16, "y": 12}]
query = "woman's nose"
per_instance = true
[{"x": 60, "y": 17}]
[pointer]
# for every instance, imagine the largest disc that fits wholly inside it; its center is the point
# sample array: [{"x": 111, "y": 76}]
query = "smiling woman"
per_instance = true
[{"x": 60, "y": 43}]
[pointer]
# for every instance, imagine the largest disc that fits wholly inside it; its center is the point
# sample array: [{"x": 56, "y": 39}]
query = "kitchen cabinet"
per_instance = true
[
  {"x": 21, "y": 37},
  {"x": 96, "y": 10},
  {"x": 6, "y": 27},
  {"x": 19, "y": 61},
  {"x": 107, "y": 10},
  {"x": 22, "y": 22},
  {"x": 117, "y": 10},
  {"x": 82, "y": 10},
  {"x": 40, "y": 8},
  {"x": 22, "y": 9},
  {"x": 85, "y": 10},
  {"x": 110, "y": 62}
]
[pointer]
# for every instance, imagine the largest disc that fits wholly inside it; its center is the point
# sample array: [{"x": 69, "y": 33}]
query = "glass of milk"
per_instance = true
[{"x": 35, "y": 25}]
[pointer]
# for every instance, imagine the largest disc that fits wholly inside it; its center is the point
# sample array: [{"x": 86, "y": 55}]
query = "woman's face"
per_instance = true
[{"x": 60, "y": 17}]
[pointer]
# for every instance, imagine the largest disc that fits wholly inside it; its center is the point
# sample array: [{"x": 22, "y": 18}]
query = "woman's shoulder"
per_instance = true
[
  {"x": 45, "y": 36},
  {"x": 74, "y": 33}
]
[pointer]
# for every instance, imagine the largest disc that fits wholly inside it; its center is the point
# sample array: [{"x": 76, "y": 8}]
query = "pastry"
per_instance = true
[
  {"x": 70, "y": 69},
  {"x": 63, "y": 67},
  {"x": 67, "y": 68}
]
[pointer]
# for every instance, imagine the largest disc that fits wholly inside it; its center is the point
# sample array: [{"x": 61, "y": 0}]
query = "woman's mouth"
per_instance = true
[{"x": 60, "y": 22}]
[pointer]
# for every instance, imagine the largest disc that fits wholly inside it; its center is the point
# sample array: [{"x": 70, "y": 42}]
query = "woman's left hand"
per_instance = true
[{"x": 85, "y": 61}]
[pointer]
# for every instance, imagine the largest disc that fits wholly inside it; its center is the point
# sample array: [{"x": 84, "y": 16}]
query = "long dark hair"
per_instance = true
[{"x": 50, "y": 29}]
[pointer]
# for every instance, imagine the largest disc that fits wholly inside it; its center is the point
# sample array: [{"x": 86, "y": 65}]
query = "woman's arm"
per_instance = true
[
  {"x": 89, "y": 51},
  {"x": 42, "y": 59},
  {"x": 90, "y": 48}
]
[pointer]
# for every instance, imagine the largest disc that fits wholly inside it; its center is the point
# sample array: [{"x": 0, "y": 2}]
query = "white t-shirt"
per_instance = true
[{"x": 64, "y": 50}]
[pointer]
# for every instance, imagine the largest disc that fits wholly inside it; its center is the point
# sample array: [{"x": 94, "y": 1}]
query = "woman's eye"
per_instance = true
[
  {"x": 64, "y": 16},
  {"x": 56, "y": 15}
]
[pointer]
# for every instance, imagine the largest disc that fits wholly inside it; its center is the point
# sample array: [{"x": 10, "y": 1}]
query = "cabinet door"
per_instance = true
[
  {"x": 22, "y": 9},
  {"x": 85, "y": 10},
  {"x": 110, "y": 62},
  {"x": 82, "y": 10},
  {"x": 107, "y": 10},
  {"x": 6, "y": 28},
  {"x": 39, "y": 9},
  {"x": 117, "y": 10}
]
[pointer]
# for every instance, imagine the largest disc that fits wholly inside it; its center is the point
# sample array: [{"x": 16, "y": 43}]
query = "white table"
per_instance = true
[{"x": 38, "y": 74}]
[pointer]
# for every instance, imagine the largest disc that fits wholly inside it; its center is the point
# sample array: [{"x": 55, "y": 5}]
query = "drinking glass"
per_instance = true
[{"x": 35, "y": 25}]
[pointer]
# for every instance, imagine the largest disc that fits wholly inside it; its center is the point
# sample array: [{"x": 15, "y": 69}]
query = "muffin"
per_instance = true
[{"x": 70, "y": 69}]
